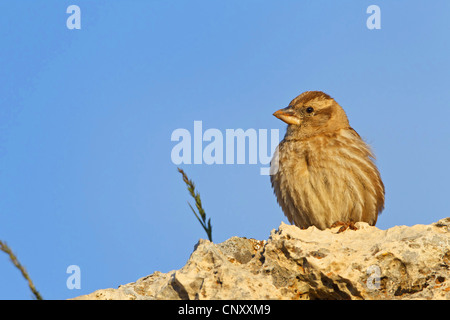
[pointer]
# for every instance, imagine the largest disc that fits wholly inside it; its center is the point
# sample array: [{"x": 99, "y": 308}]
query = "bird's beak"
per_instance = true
[{"x": 287, "y": 115}]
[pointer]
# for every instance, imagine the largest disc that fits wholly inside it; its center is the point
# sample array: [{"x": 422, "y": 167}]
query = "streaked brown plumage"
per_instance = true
[{"x": 323, "y": 172}]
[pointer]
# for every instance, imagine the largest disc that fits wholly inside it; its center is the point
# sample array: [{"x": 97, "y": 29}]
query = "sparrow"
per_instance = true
[{"x": 322, "y": 172}]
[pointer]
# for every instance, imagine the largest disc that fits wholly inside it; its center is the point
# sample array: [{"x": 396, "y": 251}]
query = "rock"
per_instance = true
[{"x": 398, "y": 263}]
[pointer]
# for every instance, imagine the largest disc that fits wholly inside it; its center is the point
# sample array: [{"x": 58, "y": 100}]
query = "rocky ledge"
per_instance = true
[{"x": 398, "y": 263}]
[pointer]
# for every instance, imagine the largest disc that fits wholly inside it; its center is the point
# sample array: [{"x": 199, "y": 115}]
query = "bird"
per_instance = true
[{"x": 323, "y": 173}]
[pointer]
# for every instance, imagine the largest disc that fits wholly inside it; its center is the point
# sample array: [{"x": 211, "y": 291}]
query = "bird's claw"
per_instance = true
[{"x": 344, "y": 226}]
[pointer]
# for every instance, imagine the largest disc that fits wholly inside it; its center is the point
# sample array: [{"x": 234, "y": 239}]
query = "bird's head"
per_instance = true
[{"x": 311, "y": 113}]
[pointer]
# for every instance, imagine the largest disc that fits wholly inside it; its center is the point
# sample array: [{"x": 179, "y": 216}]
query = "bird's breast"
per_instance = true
[{"x": 324, "y": 179}]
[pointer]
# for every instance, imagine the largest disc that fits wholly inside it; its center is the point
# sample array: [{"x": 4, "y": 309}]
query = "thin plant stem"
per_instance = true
[
  {"x": 6, "y": 249},
  {"x": 201, "y": 215}
]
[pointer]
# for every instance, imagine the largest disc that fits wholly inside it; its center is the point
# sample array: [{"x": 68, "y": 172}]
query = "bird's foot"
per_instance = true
[{"x": 344, "y": 226}]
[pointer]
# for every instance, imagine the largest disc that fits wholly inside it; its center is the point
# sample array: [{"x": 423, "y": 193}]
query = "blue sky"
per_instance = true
[{"x": 86, "y": 117}]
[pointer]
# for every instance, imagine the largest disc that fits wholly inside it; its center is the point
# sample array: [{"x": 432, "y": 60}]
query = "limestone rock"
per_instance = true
[{"x": 369, "y": 263}]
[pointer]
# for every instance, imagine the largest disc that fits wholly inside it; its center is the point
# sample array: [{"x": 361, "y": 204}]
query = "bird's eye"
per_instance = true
[{"x": 309, "y": 109}]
